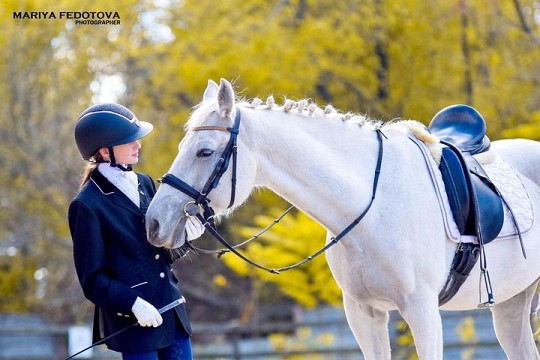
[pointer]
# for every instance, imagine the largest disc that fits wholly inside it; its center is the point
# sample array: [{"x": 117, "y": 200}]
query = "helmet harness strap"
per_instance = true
[{"x": 128, "y": 167}]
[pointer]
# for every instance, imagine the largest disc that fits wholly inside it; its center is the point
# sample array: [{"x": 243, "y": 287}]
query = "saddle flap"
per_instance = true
[
  {"x": 488, "y": 206},
  {"x": 475, "y": 202},
  {"x": 456, "y": 186}
]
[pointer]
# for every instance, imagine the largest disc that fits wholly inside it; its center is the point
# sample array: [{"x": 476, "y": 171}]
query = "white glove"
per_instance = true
[
  {"x": 194, "y": 228},
  {"x": 146, "y": 313}
]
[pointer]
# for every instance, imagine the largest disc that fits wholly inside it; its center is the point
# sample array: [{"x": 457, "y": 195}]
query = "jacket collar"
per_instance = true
[
  {"x": 108, "y": 189},
  {"x": 104, "y": 185}
]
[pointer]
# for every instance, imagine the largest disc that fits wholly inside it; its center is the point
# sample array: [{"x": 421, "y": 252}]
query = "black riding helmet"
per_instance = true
[{"x": 107, "y": 125}]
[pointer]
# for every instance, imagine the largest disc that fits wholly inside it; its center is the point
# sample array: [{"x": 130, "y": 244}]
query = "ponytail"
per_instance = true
[{"x": 90, "y": 167}]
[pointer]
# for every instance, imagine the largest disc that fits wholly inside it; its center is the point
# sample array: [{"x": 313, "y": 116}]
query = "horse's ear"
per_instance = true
[
  {"x": 211, "y": 91},
  {"x": 225, "y": 98}
]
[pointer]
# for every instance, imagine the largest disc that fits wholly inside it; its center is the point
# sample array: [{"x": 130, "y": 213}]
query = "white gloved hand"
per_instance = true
[
  {"x": 146, "y": 313},
  {"x": 194, "y": 228}
]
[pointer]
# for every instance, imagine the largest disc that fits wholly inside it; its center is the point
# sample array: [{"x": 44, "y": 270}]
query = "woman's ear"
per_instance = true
[{"x": 104, "y": 152}]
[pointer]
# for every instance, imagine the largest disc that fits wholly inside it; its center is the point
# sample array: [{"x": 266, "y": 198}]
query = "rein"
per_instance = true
[
  {"x": 201, "y": 201},
  {"x": 220, "y": 252}
]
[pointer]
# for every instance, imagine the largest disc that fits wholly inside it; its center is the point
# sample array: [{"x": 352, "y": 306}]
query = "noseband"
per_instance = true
[{"x": 200, "y": 198}]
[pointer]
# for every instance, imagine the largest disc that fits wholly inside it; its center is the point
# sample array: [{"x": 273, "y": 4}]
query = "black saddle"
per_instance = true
[{"x": 475, "y": 202}]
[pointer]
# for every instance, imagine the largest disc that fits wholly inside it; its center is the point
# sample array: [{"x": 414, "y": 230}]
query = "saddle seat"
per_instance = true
[{"x": 467, "y": 132}]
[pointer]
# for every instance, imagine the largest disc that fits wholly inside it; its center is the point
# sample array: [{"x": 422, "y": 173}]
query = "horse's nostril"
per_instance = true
[{"x": 154, "y": 229}]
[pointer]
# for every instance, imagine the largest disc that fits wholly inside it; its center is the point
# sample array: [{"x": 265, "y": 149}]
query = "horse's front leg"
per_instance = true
[
  {"x": 421, "y": 312},
  {"x": 370, "y": 329}
]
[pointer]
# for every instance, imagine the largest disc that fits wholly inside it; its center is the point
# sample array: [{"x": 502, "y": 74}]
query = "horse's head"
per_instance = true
[{"x": 206, "y": 172}]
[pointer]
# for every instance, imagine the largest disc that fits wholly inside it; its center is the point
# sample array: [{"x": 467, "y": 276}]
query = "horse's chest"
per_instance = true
[{"x": 360, "y": 275}]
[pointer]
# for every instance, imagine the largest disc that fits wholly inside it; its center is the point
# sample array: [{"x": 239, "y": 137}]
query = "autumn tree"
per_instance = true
[{"x": 387, "y": 59}]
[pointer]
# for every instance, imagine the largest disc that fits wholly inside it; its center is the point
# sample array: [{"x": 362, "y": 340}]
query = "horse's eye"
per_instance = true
[{"x": 205, "y": 152}]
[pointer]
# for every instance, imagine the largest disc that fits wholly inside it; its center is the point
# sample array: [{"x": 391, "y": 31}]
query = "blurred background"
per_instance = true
[{"x": 385, "y": 58}]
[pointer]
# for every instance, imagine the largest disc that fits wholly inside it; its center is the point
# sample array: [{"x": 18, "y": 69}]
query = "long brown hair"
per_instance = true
[{"x": 90, "y": 167}]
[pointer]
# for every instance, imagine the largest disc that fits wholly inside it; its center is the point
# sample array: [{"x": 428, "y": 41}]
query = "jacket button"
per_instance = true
[
  {"x": 162, "y": 275},
  {"x": 156, "y": 257}
]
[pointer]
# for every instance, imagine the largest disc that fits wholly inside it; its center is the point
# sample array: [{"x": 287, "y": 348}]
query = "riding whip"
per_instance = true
[{"x": 166, "y": 308}]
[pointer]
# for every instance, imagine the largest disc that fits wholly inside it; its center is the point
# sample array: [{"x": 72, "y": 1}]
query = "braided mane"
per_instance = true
[{"x": 308, "y": 108}]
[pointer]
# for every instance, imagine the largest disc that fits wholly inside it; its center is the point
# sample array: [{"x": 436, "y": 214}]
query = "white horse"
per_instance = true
[{"x": 398, "y": 257}]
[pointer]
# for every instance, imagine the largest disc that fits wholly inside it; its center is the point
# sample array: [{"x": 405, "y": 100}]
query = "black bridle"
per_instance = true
[
  {"x": 201, "y": 201},
  {"x": 201, "y": 197}
]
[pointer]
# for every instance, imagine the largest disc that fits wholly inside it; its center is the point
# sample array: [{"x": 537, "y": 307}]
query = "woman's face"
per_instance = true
[{"x": 124, "y": 154}]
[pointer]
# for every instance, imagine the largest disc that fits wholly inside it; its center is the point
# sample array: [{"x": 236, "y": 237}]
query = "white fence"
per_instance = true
[{"x": 318, "y": 334}]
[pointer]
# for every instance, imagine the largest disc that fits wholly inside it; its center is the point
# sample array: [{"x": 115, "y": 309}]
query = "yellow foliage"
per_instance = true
[
  {"x": 405, "y": 341},
  {"x": 326, "y": 339},
  {"x": 388, "y": 59},
  {"x": 302, "y": 339},
  {"x": 17, "y": 284},
  {"x": 466, "y": 330},
  {"x": 220, "y": 280},
  {"x": 278, "y": 341}
]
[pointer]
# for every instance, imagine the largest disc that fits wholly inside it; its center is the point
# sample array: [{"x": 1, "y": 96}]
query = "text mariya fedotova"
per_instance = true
[{"x": 87, "y": 15}]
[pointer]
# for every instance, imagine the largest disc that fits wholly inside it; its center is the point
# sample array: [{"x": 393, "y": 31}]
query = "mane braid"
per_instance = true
[
  {"x": 308, "y": 108},
  {"x": 303, "y": 107}
]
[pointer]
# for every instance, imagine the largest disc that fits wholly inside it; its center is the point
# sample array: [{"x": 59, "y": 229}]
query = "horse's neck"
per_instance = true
[{"x": 317, "y": 164}]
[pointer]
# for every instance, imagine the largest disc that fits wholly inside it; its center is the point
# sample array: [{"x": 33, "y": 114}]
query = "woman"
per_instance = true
[{"x": 126, "y": 277}]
